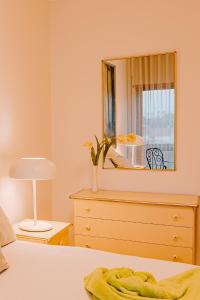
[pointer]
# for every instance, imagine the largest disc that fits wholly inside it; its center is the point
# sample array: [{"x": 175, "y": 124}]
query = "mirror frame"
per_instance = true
[{"x": 103, "y": 62}]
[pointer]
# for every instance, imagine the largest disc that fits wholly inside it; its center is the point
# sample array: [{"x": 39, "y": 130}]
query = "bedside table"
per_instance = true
[{"x": 58, "y": 235}]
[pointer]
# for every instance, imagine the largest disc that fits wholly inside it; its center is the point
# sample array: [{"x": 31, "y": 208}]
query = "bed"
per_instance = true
[{"x": 45, "y": 272}]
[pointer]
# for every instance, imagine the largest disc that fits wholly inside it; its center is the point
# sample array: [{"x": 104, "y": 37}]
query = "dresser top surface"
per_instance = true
[{"x": 138, "y": 197}]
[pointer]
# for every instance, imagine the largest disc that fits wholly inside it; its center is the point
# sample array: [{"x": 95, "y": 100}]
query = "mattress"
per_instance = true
[{"x": 44, "y": 272}]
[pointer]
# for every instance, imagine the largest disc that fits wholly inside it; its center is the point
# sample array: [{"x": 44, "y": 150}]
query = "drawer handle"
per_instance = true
[
  {"x": 87, "y": 209},
  {"x": 87, "y": 246},
  {"x": 88, "y": 228},
  {"x": 175, "y": 218},
  {"x": 175, "y": 237},
  {"x": 175, "y": 257}
]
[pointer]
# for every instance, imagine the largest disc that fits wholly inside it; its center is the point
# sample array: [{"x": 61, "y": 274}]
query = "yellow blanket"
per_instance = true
[{"x": 124, "y": 284}]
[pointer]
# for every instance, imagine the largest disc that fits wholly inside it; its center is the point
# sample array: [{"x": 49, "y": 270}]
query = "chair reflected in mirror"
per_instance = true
[{"x": 155, "y": 159}]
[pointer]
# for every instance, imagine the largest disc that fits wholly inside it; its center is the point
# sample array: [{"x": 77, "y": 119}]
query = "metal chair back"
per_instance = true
[{"x": 155, "y": 158}]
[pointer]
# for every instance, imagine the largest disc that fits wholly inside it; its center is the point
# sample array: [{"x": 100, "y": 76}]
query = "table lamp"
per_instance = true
[
  {"x": 131, "y": 140},
  {"x": 33, "y": 169},
  {"x": 139, "y": 141}
]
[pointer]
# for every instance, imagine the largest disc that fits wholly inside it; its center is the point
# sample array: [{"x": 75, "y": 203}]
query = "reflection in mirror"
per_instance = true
[{"x": 139, "y": 98}]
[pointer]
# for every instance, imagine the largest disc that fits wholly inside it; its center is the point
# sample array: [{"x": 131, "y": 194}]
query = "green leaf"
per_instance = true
[
  {"x": 98, "y": 154},
  {"x": 106, "y": 139},
  {"x": 93, "y": 155},
  {"x": 98, "y": 144},
  {"x": 107, "y": 146}
]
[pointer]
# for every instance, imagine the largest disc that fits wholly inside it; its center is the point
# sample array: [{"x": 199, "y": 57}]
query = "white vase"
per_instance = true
[{"x": 94, "y": 178}]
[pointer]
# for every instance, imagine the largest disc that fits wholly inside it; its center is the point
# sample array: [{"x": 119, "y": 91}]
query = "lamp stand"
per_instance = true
[{"x": 35, "y": 225}]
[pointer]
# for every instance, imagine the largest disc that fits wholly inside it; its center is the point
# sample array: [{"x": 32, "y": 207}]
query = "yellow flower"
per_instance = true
[
  {"x": 131, "y": 137},
  {"x": 107, "y": 140},
  {"x": 121, "y": 139},
  {"x": 88, "y": 144}
]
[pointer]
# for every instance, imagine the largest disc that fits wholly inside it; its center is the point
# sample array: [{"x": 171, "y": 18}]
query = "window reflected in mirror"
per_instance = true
[{"x": 139, "y": 101}]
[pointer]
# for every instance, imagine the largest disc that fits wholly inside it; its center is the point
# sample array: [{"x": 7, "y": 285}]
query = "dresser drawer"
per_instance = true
[
  {"x": 150, "y": 233},
  {"x": 152, "y": 214},
  {"x": 135, "y": 248}
]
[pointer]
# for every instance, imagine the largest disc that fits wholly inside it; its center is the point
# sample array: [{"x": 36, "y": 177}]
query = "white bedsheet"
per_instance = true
[{"x": 42, "y": 272}]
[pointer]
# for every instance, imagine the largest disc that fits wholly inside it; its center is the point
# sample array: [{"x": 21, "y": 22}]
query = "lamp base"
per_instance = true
[{"x": 39, "y": 226}]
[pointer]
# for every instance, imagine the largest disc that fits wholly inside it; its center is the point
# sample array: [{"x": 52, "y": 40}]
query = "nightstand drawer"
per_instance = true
[
  {"x": 31, "y": 239},
  {"x": 136, "y": 248},
  {"x": 151, "y": 214},
  {"x": 149, "y": 233}
]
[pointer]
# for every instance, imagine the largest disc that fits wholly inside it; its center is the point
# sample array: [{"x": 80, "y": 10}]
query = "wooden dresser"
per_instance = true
[{"x": 144, "y": 224}]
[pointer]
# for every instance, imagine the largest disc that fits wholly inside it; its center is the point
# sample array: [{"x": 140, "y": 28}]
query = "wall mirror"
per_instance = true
[{"x": 139, "y": 112}]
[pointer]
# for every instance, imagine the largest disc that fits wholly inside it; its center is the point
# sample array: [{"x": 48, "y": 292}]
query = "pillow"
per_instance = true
[
  {"x": 3, "y": 262},
  {"x": 118, "y": 160},
  {"x": 7, "y": 234}
]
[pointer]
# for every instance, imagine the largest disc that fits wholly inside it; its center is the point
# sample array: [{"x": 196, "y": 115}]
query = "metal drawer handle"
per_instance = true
[
  {"x": 175, "y": 237},
  {"x": 87, "y": 209},
  {"x": 175, "y": 217},
  {"x": 88, "y": 228},
  {"x": 87, "y": 246}
]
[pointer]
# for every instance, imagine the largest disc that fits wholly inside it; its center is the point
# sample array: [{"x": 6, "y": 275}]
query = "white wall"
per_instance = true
[
  {"x": 24, "y": 100},
  {"x": 83, "y": 33}
]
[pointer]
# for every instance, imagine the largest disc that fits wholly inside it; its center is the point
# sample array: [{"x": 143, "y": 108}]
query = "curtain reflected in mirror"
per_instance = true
[
  {"x": 109, "y": 103},
  {"x": 139, "y": 99}
]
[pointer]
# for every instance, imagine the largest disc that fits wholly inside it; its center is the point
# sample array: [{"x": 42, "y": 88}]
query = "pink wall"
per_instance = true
[
  {"x": 83, "y": 33},
  {"x": 24, "y": 100}
]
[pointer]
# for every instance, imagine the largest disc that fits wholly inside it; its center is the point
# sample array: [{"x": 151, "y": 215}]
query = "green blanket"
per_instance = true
[{"x": 124, "y": 284}]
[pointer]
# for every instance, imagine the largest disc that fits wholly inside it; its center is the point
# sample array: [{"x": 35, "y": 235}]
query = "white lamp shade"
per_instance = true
[{"x": 33, "y": 169}]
